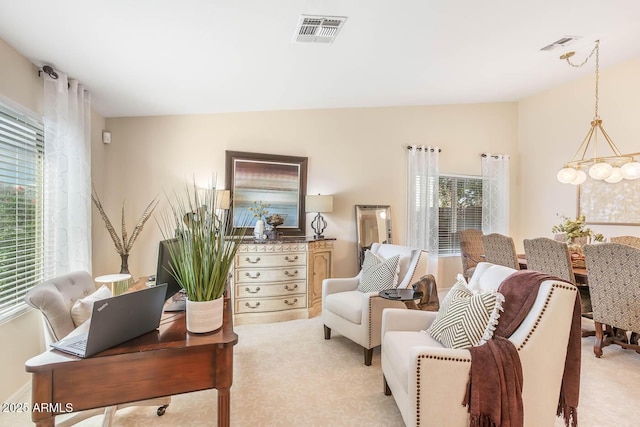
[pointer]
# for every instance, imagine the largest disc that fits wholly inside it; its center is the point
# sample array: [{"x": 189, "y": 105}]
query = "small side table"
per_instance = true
[
  {"x": 407, "y": 296},
  {"x": 118, "y": 283}
]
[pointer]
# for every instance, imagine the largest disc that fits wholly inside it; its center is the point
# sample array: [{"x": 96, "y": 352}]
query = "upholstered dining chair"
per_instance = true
[
  {"x": 428, "y": 381},
  {"x": 55, "y": 298},
  {"x": 553, "y": 257},
  {"x": 549, "y": 256},
  {"x": 471, "y": 250},
  {"x": 356, "y": 312},
  {"x": 614, "y": 283},
  {"x": 500, "y": 250},
  {"x": 626, "y": 240}
]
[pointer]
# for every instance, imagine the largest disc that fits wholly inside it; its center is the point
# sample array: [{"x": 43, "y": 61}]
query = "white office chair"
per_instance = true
[{"x": 55, "y": 298}]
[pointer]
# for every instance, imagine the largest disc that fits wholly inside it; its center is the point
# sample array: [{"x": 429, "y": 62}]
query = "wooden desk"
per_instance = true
[{"x": 164, "y": 362}]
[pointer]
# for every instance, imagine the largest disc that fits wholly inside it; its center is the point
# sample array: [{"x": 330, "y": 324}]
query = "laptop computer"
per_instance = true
[{"x": 116, "y": 320}]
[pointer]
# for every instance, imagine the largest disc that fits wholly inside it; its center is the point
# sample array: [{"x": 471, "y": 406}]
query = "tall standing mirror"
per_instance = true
[{"x": 373, "y": 225}]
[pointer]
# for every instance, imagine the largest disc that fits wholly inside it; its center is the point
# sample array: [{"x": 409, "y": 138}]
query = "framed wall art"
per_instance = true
[
  {"x": 276, "y": 180},
  {"x": 604, "y": 203}
]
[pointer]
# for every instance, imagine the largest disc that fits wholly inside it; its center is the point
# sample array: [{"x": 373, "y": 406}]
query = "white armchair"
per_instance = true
[
  {"x": 428, "y": 381},
  {"x": 357, "y": 315}
]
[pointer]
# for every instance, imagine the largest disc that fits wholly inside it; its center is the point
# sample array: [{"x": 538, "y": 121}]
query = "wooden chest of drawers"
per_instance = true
[{"x": 271, "y": 281}]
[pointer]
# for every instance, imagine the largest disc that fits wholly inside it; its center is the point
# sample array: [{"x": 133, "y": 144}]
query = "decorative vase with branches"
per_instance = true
[
  {"x": 260, "y": 211},
  {"x": 124, "y": 243}
]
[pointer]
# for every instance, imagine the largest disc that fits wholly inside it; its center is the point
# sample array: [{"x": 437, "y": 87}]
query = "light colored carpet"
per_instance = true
[{"x": 286, "y": 374}]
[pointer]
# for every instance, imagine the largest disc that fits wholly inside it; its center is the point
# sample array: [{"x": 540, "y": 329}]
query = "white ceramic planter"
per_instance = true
[{"x": 204, "y": 316}]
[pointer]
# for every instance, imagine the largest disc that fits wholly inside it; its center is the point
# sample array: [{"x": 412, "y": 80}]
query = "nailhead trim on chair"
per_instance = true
[
  {"x": 370, "y": 321},
  {"x": 544, "y": 308},
  {"x": 468, "y": 359},
  {"x": 429, "y": 356}
]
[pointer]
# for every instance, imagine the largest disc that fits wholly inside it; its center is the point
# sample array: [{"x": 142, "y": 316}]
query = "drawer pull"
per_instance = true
[
  {"x": 252, "y": 277},
  {"x": 252, "y": 292},
  {"x": 294, "y": 259},
  {"x": 252, "y": 262},
  {"x": 287, "y": 302},
  {"x": 250, "y": 306},
  {"x": 287, "y": 273},
  {"x": 287, "y": 288}
]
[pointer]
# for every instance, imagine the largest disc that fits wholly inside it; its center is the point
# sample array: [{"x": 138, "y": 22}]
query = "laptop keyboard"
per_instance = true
[{"x": 79, "y": 345}]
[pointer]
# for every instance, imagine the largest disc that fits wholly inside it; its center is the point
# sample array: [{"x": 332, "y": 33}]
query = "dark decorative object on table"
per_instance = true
[
  {"x": 276, "y": 219},
  {"x": 273, "y": 221}
]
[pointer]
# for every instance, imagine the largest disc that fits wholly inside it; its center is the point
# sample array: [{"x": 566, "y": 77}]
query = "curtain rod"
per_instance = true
[
  {"x": 495, "y": 156},
  {"x": 410, "y": 147},
  {"x": 51, "y": 72}
]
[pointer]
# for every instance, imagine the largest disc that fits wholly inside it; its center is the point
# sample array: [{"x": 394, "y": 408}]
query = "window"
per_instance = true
[
  {"x": 21, "y": 207},
  {"x": 460, "y": 207}
]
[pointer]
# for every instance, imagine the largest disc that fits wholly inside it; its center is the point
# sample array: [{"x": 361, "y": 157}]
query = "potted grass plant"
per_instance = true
[{"x": 203, "y": 255}]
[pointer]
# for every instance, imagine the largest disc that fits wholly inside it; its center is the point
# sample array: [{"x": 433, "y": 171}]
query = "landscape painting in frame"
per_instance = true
[{"x": 278, "y": 181}]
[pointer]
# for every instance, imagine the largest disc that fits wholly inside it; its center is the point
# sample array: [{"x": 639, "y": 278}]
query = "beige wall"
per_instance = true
[
  {"x": 357, "y": 155},
  {"x": 552, "y": 125}
]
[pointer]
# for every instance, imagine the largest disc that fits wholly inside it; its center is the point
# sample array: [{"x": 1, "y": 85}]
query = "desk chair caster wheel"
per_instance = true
[{"x": 162, "y": 410}]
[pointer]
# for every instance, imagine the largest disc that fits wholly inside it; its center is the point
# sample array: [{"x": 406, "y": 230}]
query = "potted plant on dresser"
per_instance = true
[{"x": 203, "y": 254}]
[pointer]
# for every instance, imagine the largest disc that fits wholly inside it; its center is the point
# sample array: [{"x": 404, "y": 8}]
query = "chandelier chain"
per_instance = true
[
  {"x": 597, "y": 116},
  {"x": 596, "y": 50}
]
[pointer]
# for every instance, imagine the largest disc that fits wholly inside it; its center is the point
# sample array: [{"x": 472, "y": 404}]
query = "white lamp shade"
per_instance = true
[
  {"x": 567, "y": 175},
  {"x": 616, "y": 176},
  {"x": 318, "y": 203},
  {"x": 600, "y": 171},
  {"x": 223, "y": 199},
  {"x": 581, "y": 177},
  {"x": 631, "y": 170}
]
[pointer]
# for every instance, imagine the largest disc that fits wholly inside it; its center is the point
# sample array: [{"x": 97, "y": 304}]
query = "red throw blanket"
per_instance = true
[{"x": 494, "y": 392}]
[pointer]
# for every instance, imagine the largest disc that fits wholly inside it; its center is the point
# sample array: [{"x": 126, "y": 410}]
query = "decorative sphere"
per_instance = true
[
  {"x": 581, "y": 177},
  {"x": 600, "y": 171},
  {"x": 616, "y": 176},
  {"x": 566, "y": 175},
  {"x": 631, "y": 170}
]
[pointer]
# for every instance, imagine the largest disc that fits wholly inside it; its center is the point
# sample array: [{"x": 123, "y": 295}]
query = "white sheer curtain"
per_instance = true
[
  {"x": 67, "y": 176},
  {"x": 422, "y": 201},
  {"x": 495, "y": 193}
]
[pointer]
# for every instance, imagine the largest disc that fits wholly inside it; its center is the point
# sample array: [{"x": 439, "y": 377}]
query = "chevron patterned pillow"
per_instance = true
[
  {"x": 469, "y": 319},
  {"x": 378, "y": 274}
]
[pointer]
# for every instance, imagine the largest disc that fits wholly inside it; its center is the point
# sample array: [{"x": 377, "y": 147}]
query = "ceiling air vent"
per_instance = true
[
  {"x": 318, "y": 29},
  {"x": 561, "y": 43}
]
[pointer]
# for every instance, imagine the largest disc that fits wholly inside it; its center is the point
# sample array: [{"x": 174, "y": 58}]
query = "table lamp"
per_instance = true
[{"x": 319, "y": 204}]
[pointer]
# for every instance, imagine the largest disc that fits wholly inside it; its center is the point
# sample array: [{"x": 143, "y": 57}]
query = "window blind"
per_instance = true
[
  {"x": 460, "y": 207},
  {"x": 21, "y": 207}
]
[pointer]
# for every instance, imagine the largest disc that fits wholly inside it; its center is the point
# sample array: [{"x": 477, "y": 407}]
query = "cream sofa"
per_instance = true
[
  {"x": 428, "y": 381},
  {"x": 357, "y": 315}
]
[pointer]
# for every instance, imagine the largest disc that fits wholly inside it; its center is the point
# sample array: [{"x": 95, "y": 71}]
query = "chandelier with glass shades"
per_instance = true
[{"x": 611, "y": 168}]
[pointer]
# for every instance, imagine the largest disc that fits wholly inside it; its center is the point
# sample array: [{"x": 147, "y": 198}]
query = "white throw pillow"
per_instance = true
[
  {"x": 467, "y": 318},
  {"x": 82, "y": 308},
  {"x": 378, "y": 274}
]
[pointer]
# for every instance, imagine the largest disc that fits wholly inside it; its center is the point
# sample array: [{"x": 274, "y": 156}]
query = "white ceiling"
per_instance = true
[{"x": 157, "y": 57}]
